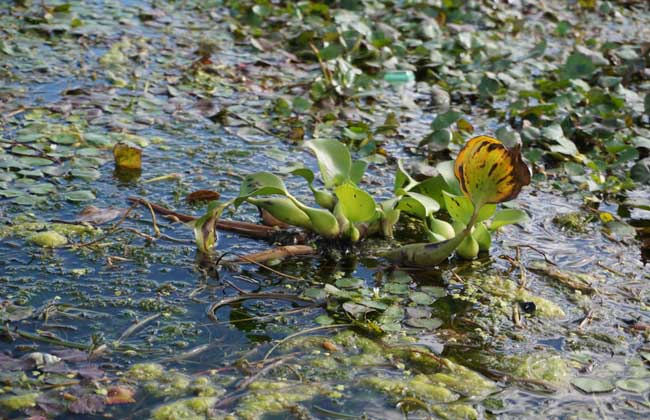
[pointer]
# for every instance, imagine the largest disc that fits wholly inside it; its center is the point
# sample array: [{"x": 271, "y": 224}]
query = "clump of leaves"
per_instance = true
[
  {"x": 345, "y": 210},
  {"x": 487, "y": 173}
]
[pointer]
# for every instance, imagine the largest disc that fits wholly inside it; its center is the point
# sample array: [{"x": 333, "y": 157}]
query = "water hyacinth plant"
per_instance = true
[{"x": 484, "y": 174}]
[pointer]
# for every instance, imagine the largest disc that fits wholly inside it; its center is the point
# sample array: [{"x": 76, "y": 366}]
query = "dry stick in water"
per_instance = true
[
  {"x": 230, "y": 300},
  {"x": 244, "y": 228},
  {"x": 275, "y": 253},
  {"x": 279, "y": 273},
  {"x": 112, "y": 230}
]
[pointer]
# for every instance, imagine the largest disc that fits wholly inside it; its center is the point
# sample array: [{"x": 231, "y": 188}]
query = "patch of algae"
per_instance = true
[
  {"x": 273, "y": 397},
  {"x": 542, "y": 366},
  {"x": 198, "y": 408},
  {"x": 507, "y": 292},
  {"x": 23, "y": 227},
  {"x": 145, "y": 371},
  {"x": 19, "y": 402},
  {"x": 419, "y": 386}
]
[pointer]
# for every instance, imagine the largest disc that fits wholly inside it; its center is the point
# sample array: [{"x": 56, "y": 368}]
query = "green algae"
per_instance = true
[
  {"x": 19, "y": 402},
  {"x": 540, "y": 366},
  {"x": 455, "y": 411},
  {"x": 26, "y": 229},
  {"x": 169, "y": 384},
  {"x": 145, "y": 371},
  {"x": 463, "y": 380},
  {"x": 197, "y": 408},
  {"x": 48, "y": 239},
  {"x": 573, "y": 221},
  {"x": 507, "y": 292},
  {"x": 420, "y": 387},
  {"x": 273, "y": 397}
]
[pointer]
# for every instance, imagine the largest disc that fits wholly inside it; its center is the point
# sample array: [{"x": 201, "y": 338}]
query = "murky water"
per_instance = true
[{"x": 93, "y": 296}]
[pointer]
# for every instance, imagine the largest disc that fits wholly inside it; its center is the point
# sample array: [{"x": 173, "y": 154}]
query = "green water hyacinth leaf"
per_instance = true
[
  {"x": 261, "y": 183},
  {"x": 507, "y": 217},
  {"x": 205, "y": 233},
  {"x": 418, "y": 205},
  {"x": 460, "y": 208},
  {"x": 334, "y": 161},
  {"x": 403, "y": 181},
  {"x": 357, "y": 171},
  {"x": 356, "y": 204}
]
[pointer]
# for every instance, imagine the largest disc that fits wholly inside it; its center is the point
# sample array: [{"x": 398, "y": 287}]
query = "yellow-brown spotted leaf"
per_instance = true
[
  {"x": 127, "y": 157},
  {"x": 489, "y": 172}
]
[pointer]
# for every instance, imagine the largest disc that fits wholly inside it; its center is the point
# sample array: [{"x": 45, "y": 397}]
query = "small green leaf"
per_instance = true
[
  {"x": 418, "y": 205},
  {"x": 357, "y": 171},
  {"x": 593, "y": 385},
  {"x": 445, "y": 120},
  {"x": 205, "y": 233},
  {"x": 261, "y": 183},
  {"x": 78, "y": 196},
  {"x": 507, "y": 217},
  {"x": 334, "y": 161},
  {"x": 356, "y": 204},
  {"x": 638, "y": 386},
  {"x": 459, "y": 207}
]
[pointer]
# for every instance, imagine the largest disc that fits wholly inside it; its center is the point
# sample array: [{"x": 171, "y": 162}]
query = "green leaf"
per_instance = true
[
  {"x": 357, "y": 170},
  {"x": 306, "y": 173},
  {"x": 459, "y": 207},
  {"x": 403, "y": 181},
  {"x": 356, "y": 204},
  {"x": 421, "y": 298},
  {"x": 78, "y": 196},
  {"x": 334, "y": 161},
  {"x": 446, "y": 170},
  {"x": 418, "y": 205},
  {"x": 330, "y": 52},
  {"x": 578, "y": 66},
  {"x": 508, "y": 217},
  {"x": 438, "y": 140},
  {"x": 445, "y": 120},
  {"x": 593, "y": 385},
  {"x": 261, "y": 183},
  {"x": 433, "y": 187},
  {"x": 205, "y": 233},
  {"x": 638, "y": 386}
]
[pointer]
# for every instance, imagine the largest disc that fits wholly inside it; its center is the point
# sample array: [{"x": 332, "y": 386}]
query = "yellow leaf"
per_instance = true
[
  {"x": 127, "y": 157},
  {"x": 606, "y": 217},
  {"x": 489, "y": 172}
]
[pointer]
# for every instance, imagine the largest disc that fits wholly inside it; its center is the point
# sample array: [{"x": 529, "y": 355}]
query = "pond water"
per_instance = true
[{"x": 554, "y": 320}]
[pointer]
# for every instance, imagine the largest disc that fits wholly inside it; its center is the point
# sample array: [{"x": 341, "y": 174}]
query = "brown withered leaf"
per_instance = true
[
  {"x": 120, "y": 395},
  {"x": 202, "y": 195},
  {"x": 99, "y": 216}
]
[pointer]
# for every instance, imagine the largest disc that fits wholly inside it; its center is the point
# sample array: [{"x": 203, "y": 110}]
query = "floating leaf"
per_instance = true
[
  {"x": 78, "y": 196},
  {"x": 98, "y": 216},
  {"x": 638, "y": 386},
  {"x": 593, "y": 385},
  {"x": 202, "y": 195},
  {"x": 488, "y": 172},
  {"x": 127, "y": 157}
]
